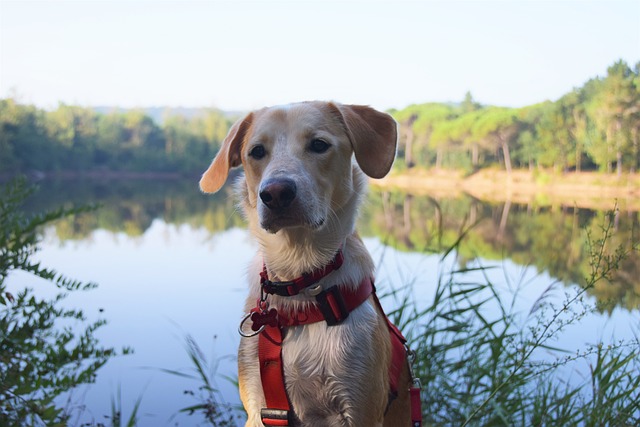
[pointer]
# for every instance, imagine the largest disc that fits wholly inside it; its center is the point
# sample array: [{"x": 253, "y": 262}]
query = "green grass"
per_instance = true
[
  {"x": 116, "y": 417},
  {"x": 209, "y": 405}
]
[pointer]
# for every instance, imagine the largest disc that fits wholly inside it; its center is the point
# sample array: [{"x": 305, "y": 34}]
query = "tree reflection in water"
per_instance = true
[{"x": 551, "y": 238}]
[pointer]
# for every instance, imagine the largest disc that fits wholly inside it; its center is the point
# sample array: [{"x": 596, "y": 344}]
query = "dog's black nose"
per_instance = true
[{"x": 278, "y": 192}]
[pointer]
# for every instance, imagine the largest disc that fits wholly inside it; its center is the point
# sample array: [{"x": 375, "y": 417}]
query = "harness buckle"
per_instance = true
[
  {"x": 275, "y": 417},
  {"x": 332, "y": 305},
  {"x": 283, "y": 289}
]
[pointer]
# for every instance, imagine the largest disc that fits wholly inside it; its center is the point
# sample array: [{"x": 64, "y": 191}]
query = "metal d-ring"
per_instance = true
[
  {"x": 248, "y": 335},
  {"x": 314, "y": 290}
]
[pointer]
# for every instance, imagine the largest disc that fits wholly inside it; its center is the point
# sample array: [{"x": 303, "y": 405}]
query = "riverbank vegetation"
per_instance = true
[
  {"x": 46, "y": 348},
  {"x": 592, "y": 127},
  {"x": 483, "y": 363}
]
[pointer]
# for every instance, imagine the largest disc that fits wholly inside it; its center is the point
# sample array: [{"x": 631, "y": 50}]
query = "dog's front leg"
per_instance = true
[{"x": 249, "y": 381}]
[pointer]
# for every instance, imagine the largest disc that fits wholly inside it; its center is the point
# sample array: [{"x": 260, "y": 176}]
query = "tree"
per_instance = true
[
  {"x": 466, "y": 124},
  {"x": 468, "y": 104},
  {"x": 575, "y": 102},
  {"x": 498, "y": 126},
  {"x": 417, "y": 123},
  {"x": 9, "y": 124},
  {"x": 554, "y": 136},
  {"x": 428, "y": 118},
  {"x": 445, "y": 136},
  {"x": 633, "y": 120},
  {"x": 74, "y": 133},
  {"x": 615, "y": 106},
  {"x": 142, "y": 132},
  {"x": 528, "y": 150}
]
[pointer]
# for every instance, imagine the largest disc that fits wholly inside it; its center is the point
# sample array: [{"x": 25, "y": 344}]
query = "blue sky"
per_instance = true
[{"x": 240, "y": 55}]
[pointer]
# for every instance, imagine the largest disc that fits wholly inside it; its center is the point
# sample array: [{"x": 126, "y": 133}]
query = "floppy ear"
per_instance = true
[
  {"x": 374, "y": 138},
  {"x": 228, "y": 157}
]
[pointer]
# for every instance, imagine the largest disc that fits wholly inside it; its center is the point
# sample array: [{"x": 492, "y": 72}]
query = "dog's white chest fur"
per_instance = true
[{"x": 323, "y": 364}]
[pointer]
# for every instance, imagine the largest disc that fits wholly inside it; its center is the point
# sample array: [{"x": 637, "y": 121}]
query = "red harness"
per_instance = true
[{"x": 333, "y": 306}]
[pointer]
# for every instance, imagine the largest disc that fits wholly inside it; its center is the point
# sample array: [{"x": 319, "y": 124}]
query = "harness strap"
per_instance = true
[
  {"x": 278, "y": 410},
  {"x": 333, "y": 305},
  {"x": 399, "y": 355}
]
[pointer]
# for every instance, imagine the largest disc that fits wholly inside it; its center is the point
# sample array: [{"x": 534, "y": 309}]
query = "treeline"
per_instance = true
[
  {"x": 73, "y": 138},
  {"x": 594, "y": 127}
]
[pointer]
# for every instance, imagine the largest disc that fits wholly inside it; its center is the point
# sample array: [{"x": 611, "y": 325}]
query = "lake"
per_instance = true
[{"x": 170, "y": 263}]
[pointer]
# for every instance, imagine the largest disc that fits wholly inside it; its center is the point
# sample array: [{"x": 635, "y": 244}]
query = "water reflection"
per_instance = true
[
  {"x": 551, "y": 238},
  {"x": 171, "y": 261},
  {"x": 154, "y": 289}
]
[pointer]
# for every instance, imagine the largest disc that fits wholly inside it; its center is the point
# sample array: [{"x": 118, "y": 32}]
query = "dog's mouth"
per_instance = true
[
  {"x": 283, "y": 203},
  {"x": 273, "y": 221}
]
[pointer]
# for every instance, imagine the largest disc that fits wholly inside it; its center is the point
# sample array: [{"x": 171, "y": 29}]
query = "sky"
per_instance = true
[{"x": 241, "y": 55}]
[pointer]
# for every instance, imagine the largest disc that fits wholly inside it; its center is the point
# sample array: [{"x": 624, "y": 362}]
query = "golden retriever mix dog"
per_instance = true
[{"x": 327, "y": 351}]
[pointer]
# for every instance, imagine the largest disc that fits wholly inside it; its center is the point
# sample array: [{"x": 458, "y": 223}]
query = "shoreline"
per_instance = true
[
  {"x": 589, "y": 190},
  {"x": 92, "y": 174}
]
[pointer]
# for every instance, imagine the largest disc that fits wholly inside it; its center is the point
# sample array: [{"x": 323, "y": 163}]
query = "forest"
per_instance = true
[
  {"x": 592, "y": 127},
  {"x": 78, "y": 139}
]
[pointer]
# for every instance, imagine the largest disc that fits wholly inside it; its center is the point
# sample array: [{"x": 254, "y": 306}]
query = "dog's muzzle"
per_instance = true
[{"x": 278, "y": 193}]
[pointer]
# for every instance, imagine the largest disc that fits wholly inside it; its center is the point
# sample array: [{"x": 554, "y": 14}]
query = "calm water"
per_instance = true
[{"x": 171, "y": 262}]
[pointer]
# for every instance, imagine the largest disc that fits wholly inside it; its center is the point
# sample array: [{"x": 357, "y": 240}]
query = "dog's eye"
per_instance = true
[
  {"x": 257, "y": 152},
  {"x": 319, "y": 145}
]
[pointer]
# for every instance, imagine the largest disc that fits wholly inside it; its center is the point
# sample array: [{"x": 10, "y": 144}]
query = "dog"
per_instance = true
[{"x": 305, "y": 177}]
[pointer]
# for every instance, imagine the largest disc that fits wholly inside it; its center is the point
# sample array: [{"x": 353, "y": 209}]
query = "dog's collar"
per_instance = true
[{"x": 294, "y": 287}]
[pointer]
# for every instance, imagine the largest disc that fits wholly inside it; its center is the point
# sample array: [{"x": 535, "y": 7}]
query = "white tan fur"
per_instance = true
[{"x": 335, "y": 375}]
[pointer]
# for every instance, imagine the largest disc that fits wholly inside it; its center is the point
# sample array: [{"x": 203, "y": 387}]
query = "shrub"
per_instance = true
[{"x": 45, "y": 348}]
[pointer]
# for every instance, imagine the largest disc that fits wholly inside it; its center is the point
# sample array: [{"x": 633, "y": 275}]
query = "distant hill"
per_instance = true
[{"x": 159, "y": 113}]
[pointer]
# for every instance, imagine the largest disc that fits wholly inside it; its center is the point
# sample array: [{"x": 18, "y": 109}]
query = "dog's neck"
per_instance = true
[{"x": 293, "y": 251}]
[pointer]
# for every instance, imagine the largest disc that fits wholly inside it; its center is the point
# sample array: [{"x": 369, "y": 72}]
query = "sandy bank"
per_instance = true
[{"x": 591, "y": 190}]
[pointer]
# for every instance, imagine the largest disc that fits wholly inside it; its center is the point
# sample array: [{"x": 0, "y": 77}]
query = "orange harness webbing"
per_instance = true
[{"x": 333, "y": 306}]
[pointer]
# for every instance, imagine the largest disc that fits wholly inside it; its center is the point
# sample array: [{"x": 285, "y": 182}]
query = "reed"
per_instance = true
[
  {"x": 209, "y": 404},
  {"x": 482, "y": 363}
]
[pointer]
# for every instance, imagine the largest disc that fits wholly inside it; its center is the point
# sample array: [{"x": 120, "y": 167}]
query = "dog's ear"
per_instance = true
[
  {"x": 228, "y": 157},
  {"x": 374, "y": 137}
]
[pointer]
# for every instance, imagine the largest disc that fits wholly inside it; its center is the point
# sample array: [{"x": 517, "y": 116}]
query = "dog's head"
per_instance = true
[{"x": 298, "y": 160}]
